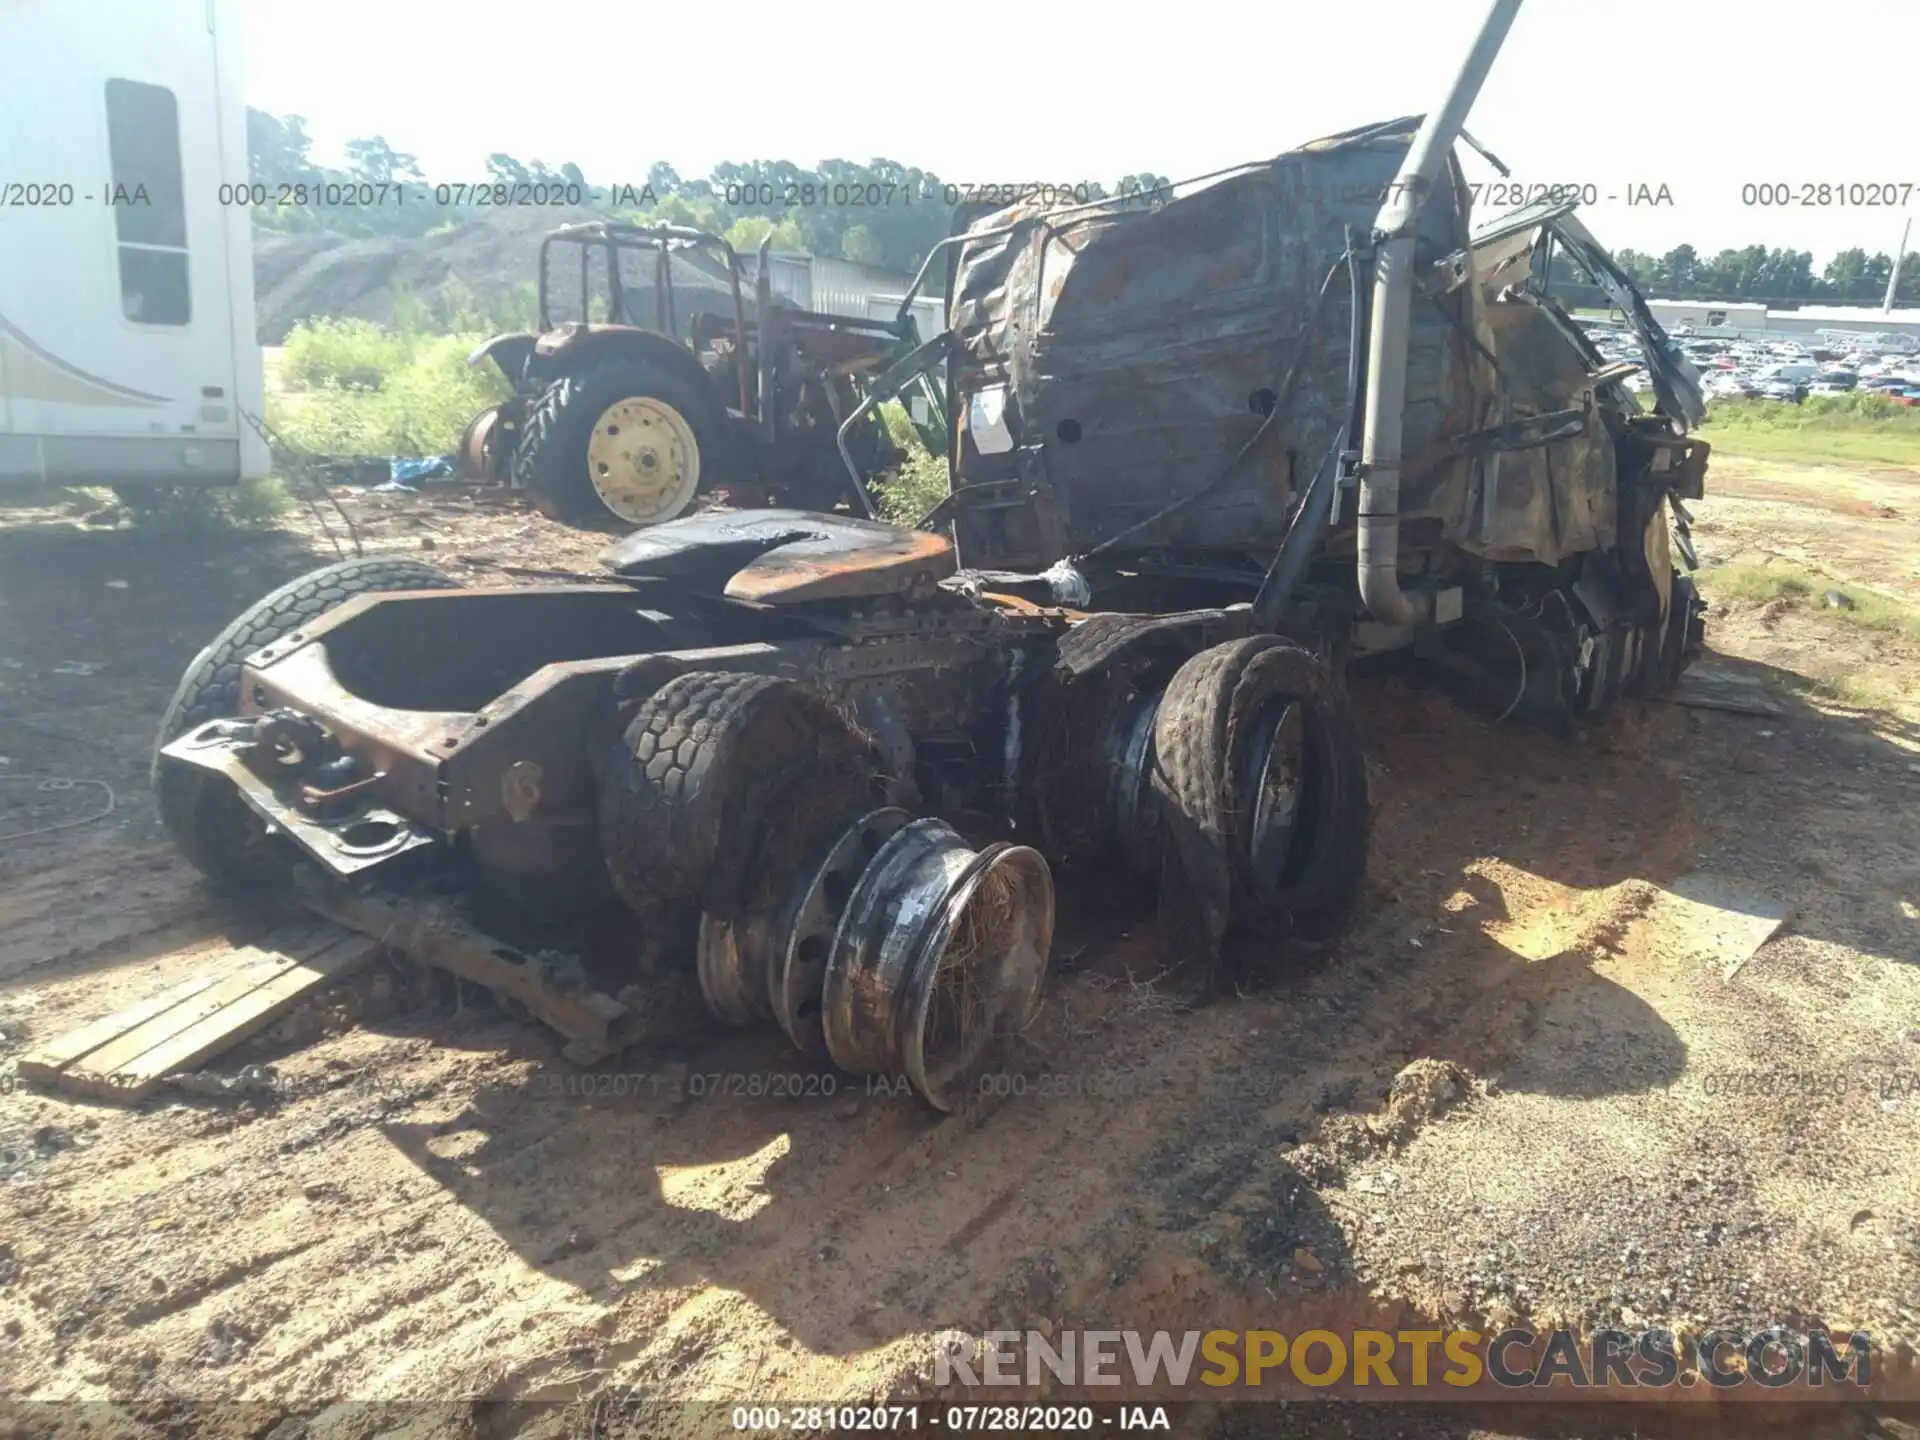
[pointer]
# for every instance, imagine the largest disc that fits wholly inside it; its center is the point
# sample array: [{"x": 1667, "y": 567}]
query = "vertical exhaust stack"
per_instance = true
[{"x": 1379, "y": 511}]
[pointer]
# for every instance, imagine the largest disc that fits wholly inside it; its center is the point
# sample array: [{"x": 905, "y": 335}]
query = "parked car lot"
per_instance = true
[{"x": 1744, "y": 366}]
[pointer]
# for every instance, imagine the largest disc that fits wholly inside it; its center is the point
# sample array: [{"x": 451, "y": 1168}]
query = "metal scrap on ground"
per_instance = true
[
  {"x": 1719, "y": 690},
  {"x": 1719, "y": 919}
]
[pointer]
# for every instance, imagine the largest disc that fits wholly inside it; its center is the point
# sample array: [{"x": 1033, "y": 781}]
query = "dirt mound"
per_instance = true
[
  {"x": 1421, "y": 1091},
  {"x": 297, "y": 277}
]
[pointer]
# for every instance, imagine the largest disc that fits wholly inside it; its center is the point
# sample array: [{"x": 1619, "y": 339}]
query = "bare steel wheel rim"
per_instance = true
[
  {"x": 732, "y": 981},
  {"x": 1272, "y": 792},
  {"x": 940, "y": 955},
  {"x": 643, "y": 460},
  {"x": 800, "y": 972}
]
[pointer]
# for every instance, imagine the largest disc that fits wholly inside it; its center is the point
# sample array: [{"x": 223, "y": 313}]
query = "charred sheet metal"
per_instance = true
[
  {"x": 1112, "y": 359},
  {"x": 1510, "y": 247},
  {"x": 787, "y": 556},
  {"x": 1543, "y": 502}
]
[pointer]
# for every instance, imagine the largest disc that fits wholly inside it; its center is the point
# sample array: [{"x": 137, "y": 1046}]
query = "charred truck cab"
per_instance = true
[
  {"x": 1206, "y": 401},
  {"x": 1202, "y": 452}
]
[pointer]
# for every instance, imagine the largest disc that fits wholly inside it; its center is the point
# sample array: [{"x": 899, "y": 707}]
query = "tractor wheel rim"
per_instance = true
[{"x": 643, "y": 460}]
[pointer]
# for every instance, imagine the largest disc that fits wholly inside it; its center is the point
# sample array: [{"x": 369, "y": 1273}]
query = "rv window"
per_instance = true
[{"x": 149, "y": 202}]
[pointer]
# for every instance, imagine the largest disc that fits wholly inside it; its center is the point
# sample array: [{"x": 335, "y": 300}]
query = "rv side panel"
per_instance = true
[{"x": 126, "y": 354}]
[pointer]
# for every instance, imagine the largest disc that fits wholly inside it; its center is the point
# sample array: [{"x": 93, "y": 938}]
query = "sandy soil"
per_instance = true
[
  {"x": 1858, "y": 525},
  {"x": 426, "y": 1207}
]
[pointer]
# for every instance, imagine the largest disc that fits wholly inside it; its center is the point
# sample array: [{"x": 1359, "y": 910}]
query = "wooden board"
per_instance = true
[{"x": 125, "y": 1055}]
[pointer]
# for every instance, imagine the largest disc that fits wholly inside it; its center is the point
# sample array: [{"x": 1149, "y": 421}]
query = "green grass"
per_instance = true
[
  {"x": 1855, "y": 427},
  {"x": 1801, "y": 589},
  {"x": 354, "y": 388},
  {"x": 921, "y": 481}
]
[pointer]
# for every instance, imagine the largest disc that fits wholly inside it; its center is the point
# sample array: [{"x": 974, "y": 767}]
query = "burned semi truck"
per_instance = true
[
  {"x": 1204, "y": 453},
  {"x": 1207, "y": 402}
]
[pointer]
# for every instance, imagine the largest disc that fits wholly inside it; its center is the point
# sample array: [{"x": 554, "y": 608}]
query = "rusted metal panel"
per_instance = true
[
  {"x": 396, "y": 679},
  {"x": 813, "y": 570}
]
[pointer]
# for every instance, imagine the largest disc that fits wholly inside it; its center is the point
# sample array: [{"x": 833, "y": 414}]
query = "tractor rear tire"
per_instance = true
[
  {"x": 718, "y": 772},
  {"x": 571, "y": 461},
  {"x": 209, "y": 822},
  {"x": 1211, "y": 711}
]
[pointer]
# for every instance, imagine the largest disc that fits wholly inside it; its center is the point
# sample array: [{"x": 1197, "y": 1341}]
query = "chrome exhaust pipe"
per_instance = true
[{"x": 1379, "y": 510}]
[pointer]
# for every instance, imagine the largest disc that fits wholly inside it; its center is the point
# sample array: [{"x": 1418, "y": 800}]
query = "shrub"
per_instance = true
[
  {"x": 350, "y": 354},
  {"x": 1816, "y": 412},
  {"x": 900, "y": 427},
  {"x": 921, "y": 481},
  {"x": 353, "y": 388},
  {"x": 915, "y": 488}
]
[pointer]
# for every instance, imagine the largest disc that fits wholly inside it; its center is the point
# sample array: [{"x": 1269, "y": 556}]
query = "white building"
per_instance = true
[
  {"x": 1709, "y": 314},
  {"x": 1741, "y": 317},
  {"x": 1862, "y": 319},
  {"x": 841, "y": 287}
]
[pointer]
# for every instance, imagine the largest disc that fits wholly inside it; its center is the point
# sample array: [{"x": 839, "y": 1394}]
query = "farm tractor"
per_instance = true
[
  {"x": 1205, "y": 458},
  {"x": 616, "y": 424}
]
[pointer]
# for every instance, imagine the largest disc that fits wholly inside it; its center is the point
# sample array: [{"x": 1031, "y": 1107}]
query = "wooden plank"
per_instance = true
[
  {"x": 97, "y": 1072},
  {"x": 92, "y": 1058},
  {"x": 246, "y": 1016},
  {"x": 50, "y": 1059}
]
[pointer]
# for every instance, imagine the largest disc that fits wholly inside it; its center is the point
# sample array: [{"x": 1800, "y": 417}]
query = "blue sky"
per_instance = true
[{"x": 1702, "y": 96}]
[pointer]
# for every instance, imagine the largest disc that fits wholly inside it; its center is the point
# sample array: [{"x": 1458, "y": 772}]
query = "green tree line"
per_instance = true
[
  {"x": 1760, "y": 273},
  {"x": 878, "y": 213},
  {"x": 837, "y": 215}
]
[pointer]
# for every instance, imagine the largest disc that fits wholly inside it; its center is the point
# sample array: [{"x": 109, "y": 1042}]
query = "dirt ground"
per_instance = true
[
  {"x": 1599, "y": 1125},
  {"x": 1860, "y": 526}
]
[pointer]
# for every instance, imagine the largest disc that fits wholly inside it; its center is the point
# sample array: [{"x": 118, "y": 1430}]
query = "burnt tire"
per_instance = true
[
  {"x": 550, "y": 459},
  {"x": 1212, "y": 887},
  {"x": 721, "y": 779},
  {"x": 205, "y": 818}
]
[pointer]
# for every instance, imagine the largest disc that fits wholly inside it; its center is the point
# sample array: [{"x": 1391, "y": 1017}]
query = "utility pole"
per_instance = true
[{"x": 1893, "y": 280}]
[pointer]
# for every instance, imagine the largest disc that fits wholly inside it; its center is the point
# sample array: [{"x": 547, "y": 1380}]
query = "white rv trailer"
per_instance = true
[{"x": 127, "y": 346}]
